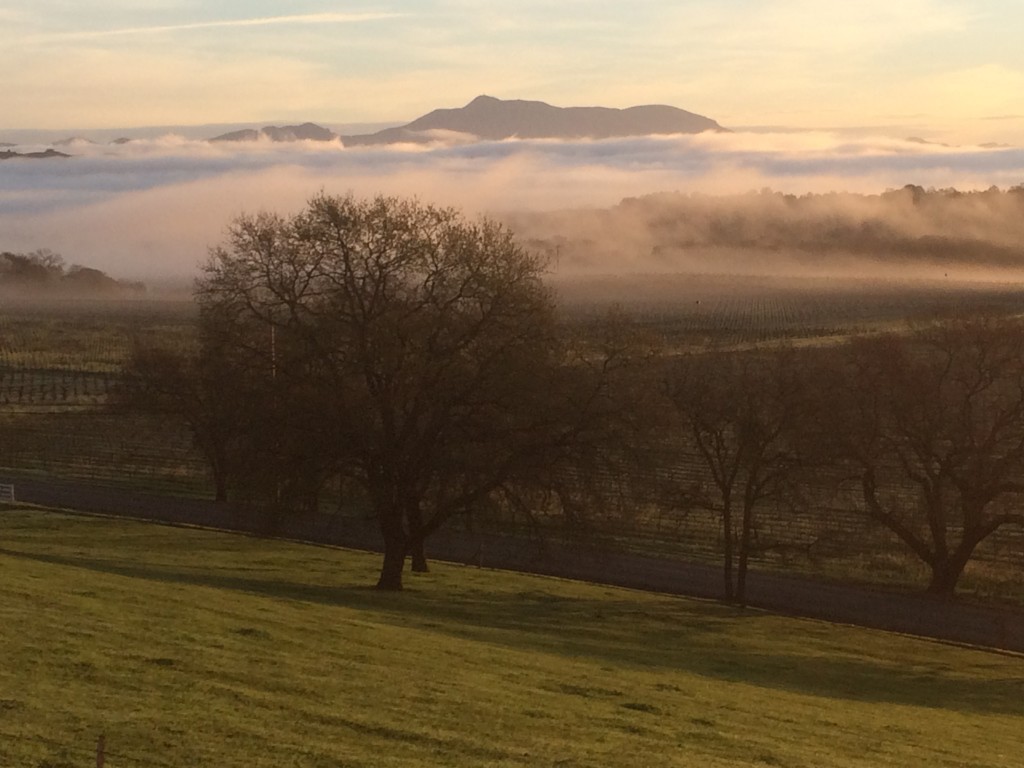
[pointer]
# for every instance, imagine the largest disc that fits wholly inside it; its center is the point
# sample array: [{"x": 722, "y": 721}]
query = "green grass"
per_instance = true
[{"x": 195, "y": 648}]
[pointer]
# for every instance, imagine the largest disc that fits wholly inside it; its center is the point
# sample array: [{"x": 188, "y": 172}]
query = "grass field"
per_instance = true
[{"x": 195, "y": 648}]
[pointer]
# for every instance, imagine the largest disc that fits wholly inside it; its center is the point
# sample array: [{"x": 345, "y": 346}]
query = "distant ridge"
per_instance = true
[
  {"x": 488, "y": 118},
  {"x": 10, "y": 155},
  {"x": 485, "y": 118},
  {"x": 304, "y": 132}
]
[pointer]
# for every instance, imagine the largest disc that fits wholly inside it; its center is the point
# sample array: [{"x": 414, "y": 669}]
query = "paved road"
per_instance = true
[{"x": 911, "y": 613}]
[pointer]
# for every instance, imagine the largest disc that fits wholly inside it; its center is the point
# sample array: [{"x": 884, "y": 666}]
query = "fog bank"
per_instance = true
[{"x": 150, "y": 209}]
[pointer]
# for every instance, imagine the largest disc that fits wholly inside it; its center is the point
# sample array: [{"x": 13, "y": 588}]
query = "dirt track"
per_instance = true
[{"x": 916, "y": 614}]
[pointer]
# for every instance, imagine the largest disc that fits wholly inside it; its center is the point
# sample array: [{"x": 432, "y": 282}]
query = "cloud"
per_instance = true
[
  {"x": 264, "y": 21},
  {"x": 160, "y": 84},
  {"x": 852, "y": 28},
  {"x": 152, "y": 208}
]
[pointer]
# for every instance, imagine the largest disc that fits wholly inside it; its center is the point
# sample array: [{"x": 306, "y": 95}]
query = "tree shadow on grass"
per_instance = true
[{"x": 670, "y": 634}]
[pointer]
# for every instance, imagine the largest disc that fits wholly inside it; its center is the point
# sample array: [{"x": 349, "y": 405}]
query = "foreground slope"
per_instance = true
[{"x": 190, "y": 647}]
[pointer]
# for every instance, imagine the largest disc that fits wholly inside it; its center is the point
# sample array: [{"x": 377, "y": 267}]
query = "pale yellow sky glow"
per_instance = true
[
  {"x": 945, "y": 69},
  {"x": 311, "y": 18}
]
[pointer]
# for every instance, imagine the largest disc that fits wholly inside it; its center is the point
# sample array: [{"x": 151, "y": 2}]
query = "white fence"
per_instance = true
[{"x": 6, "y": 493}]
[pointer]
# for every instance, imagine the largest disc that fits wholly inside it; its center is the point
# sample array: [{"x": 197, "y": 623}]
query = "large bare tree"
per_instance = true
[{"x": 428, "y": 342}]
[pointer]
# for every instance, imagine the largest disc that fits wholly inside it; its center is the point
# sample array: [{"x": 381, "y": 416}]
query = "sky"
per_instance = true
[
  {"x": 953, "y": 69},
  {"x": 820, "y": 97}
]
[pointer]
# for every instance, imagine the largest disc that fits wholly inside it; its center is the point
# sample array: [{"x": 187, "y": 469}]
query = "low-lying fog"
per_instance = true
[{"x": 150, "y": 209}]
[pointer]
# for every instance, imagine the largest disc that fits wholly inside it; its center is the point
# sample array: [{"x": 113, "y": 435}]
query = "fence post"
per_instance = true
[{"x": 101, "y": 745}]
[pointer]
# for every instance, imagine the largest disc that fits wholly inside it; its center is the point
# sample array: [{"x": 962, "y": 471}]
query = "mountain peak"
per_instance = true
[{"x": 491, "y": 119}]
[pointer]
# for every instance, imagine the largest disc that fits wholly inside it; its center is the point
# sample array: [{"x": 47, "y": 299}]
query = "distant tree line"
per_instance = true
[
  {"x": 910, "y": 225},
  {"x": 416, "y": 362},
  {"x": 43, "y": 272}
]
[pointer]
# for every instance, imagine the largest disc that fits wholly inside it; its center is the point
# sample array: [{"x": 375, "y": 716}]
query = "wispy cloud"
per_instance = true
[{"x": 263, "y": 21}]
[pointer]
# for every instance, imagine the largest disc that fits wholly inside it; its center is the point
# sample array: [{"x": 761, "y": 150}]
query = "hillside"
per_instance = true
[
  {"x": 187, "y": 647},
  {"x": 9, "y": 154},
  {"x": 493, "y": 119},
  {"x": 43, "y": 273},
  {"x": 304, "y": 132}
]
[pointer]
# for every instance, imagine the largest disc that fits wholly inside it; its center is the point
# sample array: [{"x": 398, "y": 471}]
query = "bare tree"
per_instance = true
[
  {"x": 738, "y": 414},
  {"x": 179, "y": 384},
  {"x": 931, "y": 427},
  {"x": 428, "y": 342}
]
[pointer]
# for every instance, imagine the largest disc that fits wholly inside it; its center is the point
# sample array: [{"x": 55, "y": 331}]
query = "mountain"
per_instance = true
[
  {"x": 488, "y": 118},
  {"x": 8, "y": 154},
  {"x": 304, "y": 132},
  {"x": 919, "y": 140}
]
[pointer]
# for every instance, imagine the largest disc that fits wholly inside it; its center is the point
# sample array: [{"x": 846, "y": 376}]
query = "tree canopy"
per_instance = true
[
  {"x": 44, "y": 272},
  {"x": 416, "y": 350}
]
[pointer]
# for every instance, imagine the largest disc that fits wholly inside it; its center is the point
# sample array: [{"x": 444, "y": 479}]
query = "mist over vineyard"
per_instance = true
[{"x": 908, "y": 233}]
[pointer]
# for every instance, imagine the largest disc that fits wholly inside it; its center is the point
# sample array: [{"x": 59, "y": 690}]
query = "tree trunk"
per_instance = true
[
  {"x": 395, "y": 545},
  {"x": 419, "y": 557},
  {"x": 947, "y": 572},
  {"x": 391, "y": 571},
  {"x": 744, "y": 555},
  {"x": 416, "y": 538},
  {"x": 944, "y": 579},
  {"x": 220, "y": 488},
  {"x": 727, "y": 554},
  {"x": 218, "y": 468}
]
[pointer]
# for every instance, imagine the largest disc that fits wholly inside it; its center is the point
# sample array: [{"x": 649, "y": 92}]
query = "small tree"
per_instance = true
[
  {"x": 198, "y": 390},
  {"x": 739, "y": 413},
  {"x": 428, "y": 343}
]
